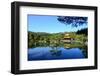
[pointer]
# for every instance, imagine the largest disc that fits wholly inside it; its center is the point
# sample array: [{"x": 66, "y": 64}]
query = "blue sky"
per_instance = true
[{"x": 49, "y": 24}]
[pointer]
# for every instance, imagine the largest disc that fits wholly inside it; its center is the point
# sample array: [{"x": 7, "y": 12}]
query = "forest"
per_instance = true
[{"x": 55, "y": 39}]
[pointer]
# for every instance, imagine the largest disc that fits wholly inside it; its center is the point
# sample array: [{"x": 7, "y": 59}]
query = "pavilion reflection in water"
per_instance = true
[{"x": 67, "y": 40}]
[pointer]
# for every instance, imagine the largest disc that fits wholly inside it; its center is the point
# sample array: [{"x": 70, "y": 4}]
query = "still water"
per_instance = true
[{"x": 49, "y": 53}]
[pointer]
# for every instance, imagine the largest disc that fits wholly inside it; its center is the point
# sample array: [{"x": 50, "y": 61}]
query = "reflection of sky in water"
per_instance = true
[{"x": 47, "y": 53}]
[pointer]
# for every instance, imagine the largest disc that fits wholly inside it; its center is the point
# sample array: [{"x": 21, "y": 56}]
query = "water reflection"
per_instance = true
[
  {"x": 57, "y": 51},
  {"x": 47, "y": 53}
]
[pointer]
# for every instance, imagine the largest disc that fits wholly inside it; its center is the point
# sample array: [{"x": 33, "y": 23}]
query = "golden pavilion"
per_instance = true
[{"x": 67, "y": 38}]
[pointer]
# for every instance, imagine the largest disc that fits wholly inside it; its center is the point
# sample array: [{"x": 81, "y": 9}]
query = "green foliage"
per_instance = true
[
  {"x": 83, "y": 31},
  {"x": 46, "y": 39},
  {"x": 43, "y": 39}
]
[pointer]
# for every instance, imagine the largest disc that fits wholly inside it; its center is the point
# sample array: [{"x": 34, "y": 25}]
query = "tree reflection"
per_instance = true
[{"x": 55, "y": 51}]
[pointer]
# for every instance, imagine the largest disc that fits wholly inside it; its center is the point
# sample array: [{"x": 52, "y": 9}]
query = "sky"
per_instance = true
[{"x": 49, "y": 24}]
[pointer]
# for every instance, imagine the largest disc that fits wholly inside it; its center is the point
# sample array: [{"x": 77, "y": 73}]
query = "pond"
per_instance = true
[{"x": 53, "y": 53}]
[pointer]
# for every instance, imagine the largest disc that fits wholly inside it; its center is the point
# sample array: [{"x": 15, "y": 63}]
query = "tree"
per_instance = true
[
  {"x": 74, "y": 21},
  {"x": 83, "y": 31}
]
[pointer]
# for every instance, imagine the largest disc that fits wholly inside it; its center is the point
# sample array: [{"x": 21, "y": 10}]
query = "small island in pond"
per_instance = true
[{"x": 57, "y": 37}]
